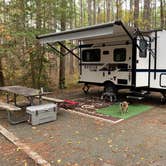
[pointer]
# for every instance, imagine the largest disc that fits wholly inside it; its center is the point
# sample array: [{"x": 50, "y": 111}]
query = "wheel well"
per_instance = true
[{"x": 108, "y": 83}]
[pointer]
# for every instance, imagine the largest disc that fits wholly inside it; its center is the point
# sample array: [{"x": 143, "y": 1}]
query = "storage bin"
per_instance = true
[{"x": 41, "y": 113}]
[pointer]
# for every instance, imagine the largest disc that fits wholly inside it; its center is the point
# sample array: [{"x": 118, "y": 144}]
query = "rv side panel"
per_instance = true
[{"x": 159, "y": 81}]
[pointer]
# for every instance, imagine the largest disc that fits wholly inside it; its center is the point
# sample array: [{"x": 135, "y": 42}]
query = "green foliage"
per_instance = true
[{"x": 24, "y": 60}]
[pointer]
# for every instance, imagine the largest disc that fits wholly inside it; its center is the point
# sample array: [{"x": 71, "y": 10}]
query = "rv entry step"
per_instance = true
[{"x": 137, "y": 95}]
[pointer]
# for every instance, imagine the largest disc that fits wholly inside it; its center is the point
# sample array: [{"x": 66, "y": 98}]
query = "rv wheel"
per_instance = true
[
  {"x": 163, "y": 98},
  {"x": 109, "y": 87},
  {"x": 110, "y": 92}
]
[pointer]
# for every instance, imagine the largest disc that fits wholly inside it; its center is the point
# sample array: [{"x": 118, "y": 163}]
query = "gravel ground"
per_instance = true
[
  {"x": 10, "y": 155},
  {"x": 80, "y": 141}
]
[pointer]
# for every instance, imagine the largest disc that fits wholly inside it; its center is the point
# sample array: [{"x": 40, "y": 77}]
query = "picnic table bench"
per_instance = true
[
  {"x": 11, "y": 109},
  {"x": 54, "y": 100}
]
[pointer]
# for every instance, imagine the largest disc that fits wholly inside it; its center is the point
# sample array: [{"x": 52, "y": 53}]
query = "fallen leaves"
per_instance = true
[
  {"x": 34, "y": 128},
  {"x": 25, "y": 163},
  {"x": 100, "y": 159},
  {"x": 109, "y": 141},
  {"x": 69, "y": 142},
  {"x": 110, "y": 146},
  {"x": 77, "y": 132},
  {"x": 96, "y": 138},
  {"x": 18, "y": 149},
  {"x": 126, "y": 149},
  {"x": 59, "y": 161}
]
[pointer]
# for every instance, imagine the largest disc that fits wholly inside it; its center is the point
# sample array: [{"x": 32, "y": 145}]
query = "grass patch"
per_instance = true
[{"x": 114, "y": 110}]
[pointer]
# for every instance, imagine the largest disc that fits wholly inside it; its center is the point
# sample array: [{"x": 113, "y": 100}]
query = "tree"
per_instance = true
[
  {"x": 161, "y": 14},
  {"x": 62, "y": 50},
  {"x": 89, "y": 12},
  {"x": 136, "y": 12},
  {"x": 94, "y": 12},
  {"x": 108, "y": 5},
  {"x": 146, "y": 14},
  {"x": 119, "y": 9}
]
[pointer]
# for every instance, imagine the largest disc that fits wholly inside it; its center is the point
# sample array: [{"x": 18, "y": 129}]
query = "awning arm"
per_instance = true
[
  {"x": 72, "y": 49},
  {"x": 61, "y": 54},
  {"x": 68, "y": 50},
  {"x": 128, "y": 33}
]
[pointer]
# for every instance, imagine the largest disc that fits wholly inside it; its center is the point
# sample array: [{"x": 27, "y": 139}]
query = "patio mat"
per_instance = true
[{"x": 114, "y": 110}]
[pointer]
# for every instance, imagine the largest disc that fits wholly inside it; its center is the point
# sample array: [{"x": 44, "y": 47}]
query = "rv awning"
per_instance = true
[{"x": 97, "y": 31}]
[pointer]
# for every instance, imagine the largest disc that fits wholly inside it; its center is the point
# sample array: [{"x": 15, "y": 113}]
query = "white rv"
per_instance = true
[{"x": 116, "y": 56}]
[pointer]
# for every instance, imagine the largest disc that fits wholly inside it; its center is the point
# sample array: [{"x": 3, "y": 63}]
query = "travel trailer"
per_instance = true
[{"x": 117, "y": 56}]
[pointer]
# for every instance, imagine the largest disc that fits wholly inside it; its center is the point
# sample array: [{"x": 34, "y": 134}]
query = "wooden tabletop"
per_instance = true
[{"x": 21, "y": 90}]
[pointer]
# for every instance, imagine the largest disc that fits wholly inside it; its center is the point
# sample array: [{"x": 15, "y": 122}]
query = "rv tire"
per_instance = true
[
  {"x": 109, "y": 86},
  {"x": 163, "y": 98}
]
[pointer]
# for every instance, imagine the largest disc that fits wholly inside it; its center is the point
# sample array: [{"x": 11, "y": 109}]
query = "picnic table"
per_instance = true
[{"x": 28, "y": 93}]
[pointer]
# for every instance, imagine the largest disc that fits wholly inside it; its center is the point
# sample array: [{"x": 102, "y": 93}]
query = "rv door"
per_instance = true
[{"x": 142, "y": 64}]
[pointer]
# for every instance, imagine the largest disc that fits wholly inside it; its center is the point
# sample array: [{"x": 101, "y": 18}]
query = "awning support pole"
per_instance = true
[
  {"x": 72, "y": 50},
  {"x": 125, "y": 29},
  {"x": 61, "y": 54},
  {"x": 68, "y": 50}
]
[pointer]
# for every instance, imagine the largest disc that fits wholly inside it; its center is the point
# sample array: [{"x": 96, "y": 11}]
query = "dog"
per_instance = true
[{"x": 124, "y": 107}]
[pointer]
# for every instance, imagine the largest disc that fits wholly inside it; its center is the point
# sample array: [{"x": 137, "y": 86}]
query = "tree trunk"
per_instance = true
[
  {"x": 108, "y": 5},
  {"x": 81, "y": 12},
  {"x": 71, "y": 59},
  {"x": 98, "y": 12},
  {"x": 161, "y": 14},
  {"x": 118, "y": 9},
  {"x": 164, "y": 13},
  {"x": 146, "y": 14},
  {"x": 136, "y": 12},
  {"x": 104, "y": 13},
  {"x": 75, "y": 16},
  {"x": 38, "y": 14},
  {"x": 62, "y": 50},
  {"x": 89, "y": 12},
  {"x": 62, "y": 70},
  {"x": 94, "y": 12},
  {"x": 131, "y": 13},
  {"x": 1, "y": 74},
  {"x": 155, "y": 14}
]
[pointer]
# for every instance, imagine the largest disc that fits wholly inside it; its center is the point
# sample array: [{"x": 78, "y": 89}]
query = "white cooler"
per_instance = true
[{"x": 41, "y": 113}]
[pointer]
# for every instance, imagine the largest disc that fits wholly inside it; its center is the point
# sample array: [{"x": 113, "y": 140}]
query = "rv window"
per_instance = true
[
  {"x": 119, "y": 54},
  {"x": 143, "y": 46},
  {"x": 91, "y": 55}
]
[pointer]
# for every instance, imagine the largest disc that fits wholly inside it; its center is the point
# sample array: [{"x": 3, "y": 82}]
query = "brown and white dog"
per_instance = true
[{"x": 124, "y": 107}]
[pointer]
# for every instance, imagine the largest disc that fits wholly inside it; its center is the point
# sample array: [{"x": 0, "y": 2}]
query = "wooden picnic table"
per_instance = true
[
  {"x": 28, "y": 93},
  {"x": 18, "y": 90}
]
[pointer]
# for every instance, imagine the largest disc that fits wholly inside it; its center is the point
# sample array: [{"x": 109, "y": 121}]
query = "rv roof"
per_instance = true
[{"x": 91, "y": 32}]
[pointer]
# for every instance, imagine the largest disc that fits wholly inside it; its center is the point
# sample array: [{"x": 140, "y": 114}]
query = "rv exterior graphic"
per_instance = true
[{"x": 117, "y": 56}]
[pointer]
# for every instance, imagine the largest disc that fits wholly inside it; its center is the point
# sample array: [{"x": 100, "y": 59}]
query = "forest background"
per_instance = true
[{"x": 24, "y": 61}]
